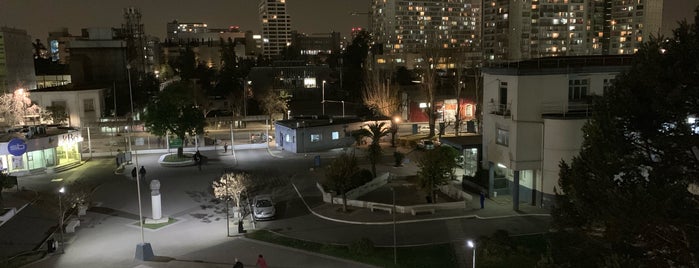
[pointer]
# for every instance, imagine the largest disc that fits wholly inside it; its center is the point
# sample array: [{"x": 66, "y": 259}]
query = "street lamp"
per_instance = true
[
  {"x": 60, "y": 210},
  {"x": 144, "y": 251},
  {"x": 323, "y": 97},
  {"x": 472, "y": 245}
]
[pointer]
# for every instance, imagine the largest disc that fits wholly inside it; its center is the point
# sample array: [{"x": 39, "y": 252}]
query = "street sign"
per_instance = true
[
  {"x": 175, "y": 143},
  {"x": 17, "y": 147}
]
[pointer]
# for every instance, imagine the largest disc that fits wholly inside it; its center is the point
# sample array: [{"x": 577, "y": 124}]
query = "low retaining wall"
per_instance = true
[{"x": 449, "y": 190}]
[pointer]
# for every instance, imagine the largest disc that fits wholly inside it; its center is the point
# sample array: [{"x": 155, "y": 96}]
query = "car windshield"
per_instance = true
[{"x": 263, "y": 203}]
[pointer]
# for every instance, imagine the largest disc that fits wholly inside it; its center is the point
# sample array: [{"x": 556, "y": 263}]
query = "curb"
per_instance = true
[{"x": 472, "y": 216}]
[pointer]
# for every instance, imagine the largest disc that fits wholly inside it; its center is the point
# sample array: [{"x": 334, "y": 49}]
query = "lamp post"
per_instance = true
[
  {"x": 472, "y": 245},
  {"x": 323, "y": 101},
  {"x": 60, "y": 210},
  {"x": 144, "y": 251}
]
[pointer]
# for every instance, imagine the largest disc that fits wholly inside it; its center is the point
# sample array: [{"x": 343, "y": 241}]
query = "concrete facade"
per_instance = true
[
  {"x": 82, "y": 106},
  {"x": 534, "y": 112},
  {"x": 16, "y": 60},
  {"x": 304, "y": 135}
]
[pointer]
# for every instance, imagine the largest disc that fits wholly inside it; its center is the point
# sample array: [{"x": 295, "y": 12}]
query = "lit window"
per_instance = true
[
  {"x": 315, "y": 137},
  {"x": 335, "y": 135},
  {"x": 503, "y": 137}
]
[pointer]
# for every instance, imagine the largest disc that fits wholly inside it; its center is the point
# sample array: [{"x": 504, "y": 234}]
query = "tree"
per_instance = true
[
  {"x": 273, "y": 102},
  {"x": 16, "y": 108},
  {"x": 626, "y": 197},
  {"x": 338, "y": 175},
  {"x": 375, "y": 131},
  {"x": 186, "y": 64},
  {"x": 381, "y": 96},
  {"x": 55, "y": 114},
  {"x": 353, "y": 64},
  {"x": 230, "y": 186},
  {"x": 6, "y": 182},
  {"x": 174, "y": 111},
  {"x": 436, "y": 169},
  {"x": 428, "y": 74}
]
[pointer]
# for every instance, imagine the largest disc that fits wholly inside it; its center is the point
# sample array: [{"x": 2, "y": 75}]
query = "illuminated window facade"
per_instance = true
[
  {"x": 276, "y": 26},
  {"x": 42, "y": 152},
  {"x": 520, "y": 30},
  {"x": 409, "y": 26}
]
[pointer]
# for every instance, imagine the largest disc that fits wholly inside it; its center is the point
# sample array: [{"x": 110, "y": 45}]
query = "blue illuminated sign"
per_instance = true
[{"x": 17, "y": 147}]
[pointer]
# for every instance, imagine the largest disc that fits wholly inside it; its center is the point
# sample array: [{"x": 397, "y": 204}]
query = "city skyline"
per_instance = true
[
  {"x": 216, "y": 13},
  {"x": 47, "y": 15}
]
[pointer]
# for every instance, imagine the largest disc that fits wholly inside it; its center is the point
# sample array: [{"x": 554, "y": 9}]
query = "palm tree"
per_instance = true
[{"x": 375, "y": 131}]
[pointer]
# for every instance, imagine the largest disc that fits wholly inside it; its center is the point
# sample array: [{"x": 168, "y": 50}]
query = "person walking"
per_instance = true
[
  {"x": 238, "y": 264},
  {"x": 482, "y": 200},
  {"x": 134, "y": 173},
  {"x": 225, "y": 147},
  {"x": 197, "y": 159},
  {"x": 261, "y": 263},
  {"x": 142, "y": 172}
]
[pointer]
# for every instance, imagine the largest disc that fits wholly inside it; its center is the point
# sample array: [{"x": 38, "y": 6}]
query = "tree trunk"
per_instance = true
[
  {"x": 180, "y": 151},
  {"x": 344, "y": 202}
]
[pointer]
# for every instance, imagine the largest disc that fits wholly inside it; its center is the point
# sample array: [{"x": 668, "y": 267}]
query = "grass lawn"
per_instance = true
[
  {"x": 441, "y": 255},
  {"x": 526, "y": 252},
  {"x": 174, "y": 158}
]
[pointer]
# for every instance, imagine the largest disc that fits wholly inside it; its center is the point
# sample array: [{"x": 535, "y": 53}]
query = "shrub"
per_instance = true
[
  {"x": 360, "y": 178},
  {"x": 363, "y": 247}
]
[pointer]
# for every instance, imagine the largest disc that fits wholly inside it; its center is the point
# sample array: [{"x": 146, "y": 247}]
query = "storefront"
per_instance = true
[{"x": 19, "y": 155}]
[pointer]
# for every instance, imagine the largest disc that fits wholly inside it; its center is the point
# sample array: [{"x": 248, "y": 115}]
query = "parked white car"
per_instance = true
[{"x": 263, "y": 207}]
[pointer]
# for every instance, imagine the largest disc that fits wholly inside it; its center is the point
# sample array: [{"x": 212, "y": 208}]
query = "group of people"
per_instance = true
[
  {"x": 261, "y": 263},
  {"x": 141, "y": 172}
]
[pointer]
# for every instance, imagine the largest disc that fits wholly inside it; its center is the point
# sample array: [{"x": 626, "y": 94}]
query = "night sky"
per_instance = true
[{"x": 39, "y": 17}]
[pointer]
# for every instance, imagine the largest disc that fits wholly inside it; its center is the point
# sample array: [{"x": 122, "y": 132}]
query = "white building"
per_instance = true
[
  {"x": 82, "y": 105},
  {"x": 533, "y": 115}
]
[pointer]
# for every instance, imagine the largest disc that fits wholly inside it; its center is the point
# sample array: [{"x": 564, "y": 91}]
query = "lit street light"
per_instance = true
[
  {"x": 472, "y": 245},
  {"x": 323, "y": 97},
  {"x": 60, "y": 210}
]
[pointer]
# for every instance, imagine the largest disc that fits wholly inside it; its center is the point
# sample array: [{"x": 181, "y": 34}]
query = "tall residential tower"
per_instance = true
[{"x": 276, "y": 26}]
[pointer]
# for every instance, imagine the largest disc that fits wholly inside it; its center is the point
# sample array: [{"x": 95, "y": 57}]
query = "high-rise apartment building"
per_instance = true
[
  {"x": 516, "y": 30},
  {"x": 411, "y": 25},
  {"x": 276, "y": 26},
  {"x": 16, "y": 60}
]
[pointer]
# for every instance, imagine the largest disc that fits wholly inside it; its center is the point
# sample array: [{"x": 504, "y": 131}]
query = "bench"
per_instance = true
[
  {"x": 70, "y": 227},
  {"x": 383, "y": 207},
  {"x": 419, "y": 210}
]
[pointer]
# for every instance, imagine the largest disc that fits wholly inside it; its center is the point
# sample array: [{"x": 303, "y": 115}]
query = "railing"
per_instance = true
[
  {"x": 499, "y": 109},
  {"x": 566, "y": 109}
]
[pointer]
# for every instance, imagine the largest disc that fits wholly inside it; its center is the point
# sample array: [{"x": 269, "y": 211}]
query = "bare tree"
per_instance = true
[
  {"x": 380, "y": 95},
  {"x": 338, "y": 175},
  {"x": 230, "y": 186},
  {"x": 17, "y": 109}
]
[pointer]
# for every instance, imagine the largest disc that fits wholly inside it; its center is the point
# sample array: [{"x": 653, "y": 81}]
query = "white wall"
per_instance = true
[{"x": 74, "y": 102}]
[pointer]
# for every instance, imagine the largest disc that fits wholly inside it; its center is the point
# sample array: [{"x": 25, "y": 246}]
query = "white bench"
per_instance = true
[
  {"x": 418, "y": 210},
  {"x": 70, "y": 227},
  {"x": 383, "y": 207}
]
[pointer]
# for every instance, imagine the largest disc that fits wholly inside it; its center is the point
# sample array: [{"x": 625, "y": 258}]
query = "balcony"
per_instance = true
[
  {"x": 499, "y": 109},
  {"x": 566, "y": 110}
]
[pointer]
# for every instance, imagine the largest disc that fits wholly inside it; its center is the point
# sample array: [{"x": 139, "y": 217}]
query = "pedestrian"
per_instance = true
[
  {"x": 197, "y": 159},
  {"x": 482, "y": 200},
  {"x": 225, "y": 147},
  {"x": 238, "y": 264},
  {"x": 142, "y": 172},
  {"x": 261, "y": 262},
  {"x": 134, "y": 173}
]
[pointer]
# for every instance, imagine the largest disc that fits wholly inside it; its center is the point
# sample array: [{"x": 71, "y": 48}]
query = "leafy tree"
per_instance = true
[
  {"x": 186, "y": 64},
  {"x": 626, "y": 196},
  {"x": 353, "y": 64},
  {"x": 6, "y": 182},
  {"x": 338, "y": 176},
  {"x": 174, "y": 111},
  {"x": 55, "y": 114},
  {"x": 436, "y": 168}
]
